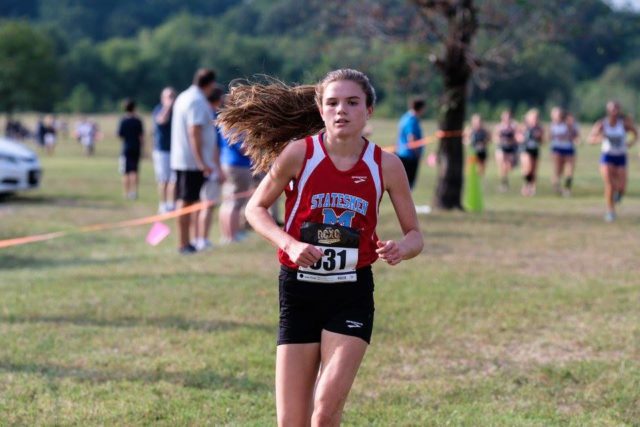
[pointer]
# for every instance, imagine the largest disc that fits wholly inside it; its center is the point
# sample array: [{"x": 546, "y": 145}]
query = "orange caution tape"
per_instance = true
[
  {"x": 427, "y": 139},
  {"x": 121, "y": 224}
]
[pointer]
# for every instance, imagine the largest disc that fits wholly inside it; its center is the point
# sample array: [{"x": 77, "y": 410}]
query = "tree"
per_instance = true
[
  {"x": 28, "y": 68},
  {"x": 81, "y": 100},
  {"x": 456, "y": 65}
]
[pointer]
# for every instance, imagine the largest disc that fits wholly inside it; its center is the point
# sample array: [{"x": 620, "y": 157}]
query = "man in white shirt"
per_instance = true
[{"x": 191, "y": 128}]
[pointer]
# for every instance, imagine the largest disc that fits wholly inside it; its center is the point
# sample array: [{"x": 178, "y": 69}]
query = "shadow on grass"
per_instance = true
[
  {"x": 527, "y": 218},
  {"x": 32, "y": 262},
  {"x": 204, "y": 379},
  {"x": 169, "y": 322}
]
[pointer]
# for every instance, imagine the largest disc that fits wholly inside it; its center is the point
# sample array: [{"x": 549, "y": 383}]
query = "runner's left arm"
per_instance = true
[{"x": 397, "y": 185}]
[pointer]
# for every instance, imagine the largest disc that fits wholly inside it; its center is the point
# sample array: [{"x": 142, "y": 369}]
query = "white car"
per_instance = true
[{"x": 19, "y": 167}]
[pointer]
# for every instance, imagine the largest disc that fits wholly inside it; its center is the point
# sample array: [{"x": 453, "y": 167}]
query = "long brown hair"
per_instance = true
[{"x": 265, "y": 117}]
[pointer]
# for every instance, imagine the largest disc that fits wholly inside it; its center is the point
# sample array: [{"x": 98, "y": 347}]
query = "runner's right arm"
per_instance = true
[
  {"x": 284, "y": 169},
  {"x": 595, "y": 135}
]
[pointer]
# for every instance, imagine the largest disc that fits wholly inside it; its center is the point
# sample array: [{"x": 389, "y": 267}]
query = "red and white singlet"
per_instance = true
[{"x": 335, "y": 210}]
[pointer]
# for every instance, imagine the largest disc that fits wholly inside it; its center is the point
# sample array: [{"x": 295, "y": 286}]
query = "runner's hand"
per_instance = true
[
  {"x": 389, "y": 251},
  {"x": 206, "y": 171},
  {"x": 221, "y": 177},
  {"x": 303, "y": 254}
]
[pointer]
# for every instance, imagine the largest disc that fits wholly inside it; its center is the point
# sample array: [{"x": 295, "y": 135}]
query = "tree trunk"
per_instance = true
[
  {"x": 449, "y": 186},
  {"x": 455, "y": 68}
]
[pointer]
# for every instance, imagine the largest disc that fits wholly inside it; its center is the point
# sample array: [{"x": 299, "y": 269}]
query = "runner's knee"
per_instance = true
[{"x": 326, "y": 413}]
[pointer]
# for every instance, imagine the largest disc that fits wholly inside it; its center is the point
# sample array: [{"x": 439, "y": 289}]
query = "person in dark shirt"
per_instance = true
[
  {"x": 162, "y": 115},
  {"x": 131, "y": 132},
  {"x": 478, "y": 139},
  {"x": 49, "y": 134},
  {"x": 40, "y": 131}
]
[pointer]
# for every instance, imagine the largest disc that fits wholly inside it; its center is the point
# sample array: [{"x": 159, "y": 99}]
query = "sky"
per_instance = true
[{"x": 633, "y": 4}]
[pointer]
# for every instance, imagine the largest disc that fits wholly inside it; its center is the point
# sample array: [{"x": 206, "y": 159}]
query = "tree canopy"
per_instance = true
[
  {"x": 97, "y": 53},
  {"x": 28, "y": 69}
]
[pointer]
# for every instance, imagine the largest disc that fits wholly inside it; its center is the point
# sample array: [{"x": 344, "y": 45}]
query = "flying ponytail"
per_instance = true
[{"x": 265, "y": 117}]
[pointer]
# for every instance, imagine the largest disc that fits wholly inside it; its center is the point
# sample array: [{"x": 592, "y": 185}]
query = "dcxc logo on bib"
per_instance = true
[{"x": 329, "y": 236}]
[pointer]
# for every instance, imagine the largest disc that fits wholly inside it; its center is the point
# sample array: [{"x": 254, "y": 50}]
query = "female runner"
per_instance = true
[
  {"x": 507, "y": 148},
  {"x": 612, "y": 132},
  {"x": 531, "y": 137},
  {"x": 563, "y": 137},
  {"x": 478, "y": 137},
  {"x": 333, "y": 181}
]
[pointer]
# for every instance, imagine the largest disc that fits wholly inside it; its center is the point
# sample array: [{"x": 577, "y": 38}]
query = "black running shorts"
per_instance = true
[
  {"x": 411, "y": 165},
  {"x": 129, "y": 162},
  {"x": 188, "y": 185},
  {"x": 532, "y": 152},
  {"x": 307, "y": 308}
]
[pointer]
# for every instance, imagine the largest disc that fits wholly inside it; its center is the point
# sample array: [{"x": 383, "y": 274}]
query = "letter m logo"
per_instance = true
[{"x": 345, "y": 219}]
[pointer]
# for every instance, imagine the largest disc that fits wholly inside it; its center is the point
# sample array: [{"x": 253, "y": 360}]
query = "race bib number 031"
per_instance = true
[{"x": 340, "y": 248}]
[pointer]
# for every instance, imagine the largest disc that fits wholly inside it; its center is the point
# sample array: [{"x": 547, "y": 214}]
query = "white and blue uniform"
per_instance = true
[
  {"x": 614, "y": 143},
  {"x": 561, "y": 142}
]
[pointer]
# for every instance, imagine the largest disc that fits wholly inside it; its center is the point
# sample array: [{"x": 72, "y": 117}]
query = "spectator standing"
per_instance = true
[
  {"x": 131, "y": 132},
  {"x": 212, "y": 186},
  {"x": 409, "y": 131},
  {"x": 86, "y": 133},
  {"x": 49, "y": 135},
  {"x": 191, "y": 123},
  {"x": 162, "y": 150},
  {"x": 40, "y": 130},
  {"x": 237, "y": 169}
]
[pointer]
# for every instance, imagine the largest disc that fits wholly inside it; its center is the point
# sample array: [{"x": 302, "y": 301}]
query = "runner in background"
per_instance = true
[
  {"x": 478, "y": 138},
  {"x": 531, "y": 138},
  {"x": 611, "y": 132},
  {"x": 563, "y": 151},
  {"x": 507, "y": 149}
]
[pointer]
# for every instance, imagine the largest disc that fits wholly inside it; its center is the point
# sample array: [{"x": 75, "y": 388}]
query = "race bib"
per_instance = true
[
  {"x": 340, "y": 248},
  {"x": 616, "y": 142},
  {"x": 531, "y": 144}
]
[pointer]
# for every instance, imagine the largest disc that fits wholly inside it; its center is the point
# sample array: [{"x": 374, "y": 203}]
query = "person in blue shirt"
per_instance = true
[
  {"x": 162, "y": 149},
  {"x": 409, "y": 131},
  {"x": 237, "y": 168}
]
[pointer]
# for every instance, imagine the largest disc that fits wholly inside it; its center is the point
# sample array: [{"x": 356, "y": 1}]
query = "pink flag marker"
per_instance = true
[
  {"x": 157, "y": 233},
  {"x": 432, "y": 159}
]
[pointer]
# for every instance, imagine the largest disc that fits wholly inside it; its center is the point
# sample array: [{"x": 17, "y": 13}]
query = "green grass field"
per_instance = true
[{"x": 525, "y": 315}]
